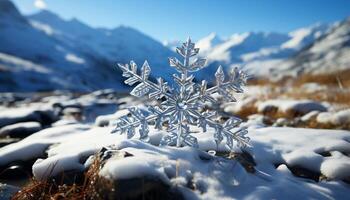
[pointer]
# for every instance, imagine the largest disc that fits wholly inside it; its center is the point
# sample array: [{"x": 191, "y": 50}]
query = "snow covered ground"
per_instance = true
[{"x": 281, "y": 162}]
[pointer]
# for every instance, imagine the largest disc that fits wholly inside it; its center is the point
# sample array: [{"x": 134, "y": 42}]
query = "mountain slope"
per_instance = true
[
  {"x": 121, "y": 44},
  {"x": 207, "y": 43},
  {"x": 233, "y": 49},
  {"x": 328, "y": 54},
  {"x": 84, "y": 57}
]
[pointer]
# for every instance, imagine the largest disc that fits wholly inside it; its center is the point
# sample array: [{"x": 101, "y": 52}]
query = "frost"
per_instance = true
[{"x": 182, "y": 106}]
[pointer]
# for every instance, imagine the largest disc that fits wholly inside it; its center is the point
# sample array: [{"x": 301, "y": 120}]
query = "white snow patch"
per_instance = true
[
  {"x": 74, "y": 59},
  {"x": 337, "y": 118},
  {"x": 337, "y": 166},
  {"x": 43, "y": 27},
  {"x": 310, "y": 115}
]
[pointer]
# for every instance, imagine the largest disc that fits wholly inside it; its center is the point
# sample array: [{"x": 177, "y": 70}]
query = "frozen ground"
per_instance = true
[{"x": 282, "y": 162}]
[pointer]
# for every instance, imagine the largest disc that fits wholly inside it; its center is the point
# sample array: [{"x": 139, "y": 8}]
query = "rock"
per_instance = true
[
  {"x": 291, "y": 108},
  {"x": 15, "y": 115},
  {"x": 73, "y": 113},
  {"x": 145, "y": 188},
  {"x": 20, "y": 130},
  {"x": 14, "y": 172}
]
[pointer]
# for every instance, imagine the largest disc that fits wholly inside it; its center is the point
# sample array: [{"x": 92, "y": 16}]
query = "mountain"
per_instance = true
[
  {"x": 305, "y": 36},
  {"x": 232, "y": 50},
  {"x": 207, "y": 43},
  {"x": 257, "y": 52},
  {"x": 172, "y": 44},
  {"x": 121, "y": 44},
  {"x": 84, "y": 57},
  {"x": 328, "y": 54}
]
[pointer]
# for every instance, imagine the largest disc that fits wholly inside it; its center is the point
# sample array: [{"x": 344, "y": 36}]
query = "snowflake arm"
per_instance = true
[
  {"x": 137, "y": 119},
  {"x": 145, "y": 86}
]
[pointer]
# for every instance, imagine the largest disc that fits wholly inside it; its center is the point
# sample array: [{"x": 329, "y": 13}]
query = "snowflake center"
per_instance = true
[{"x": 182, "y": 105}]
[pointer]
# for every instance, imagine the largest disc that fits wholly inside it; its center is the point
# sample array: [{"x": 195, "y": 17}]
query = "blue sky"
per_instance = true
[{"x": 170, "y": 19}]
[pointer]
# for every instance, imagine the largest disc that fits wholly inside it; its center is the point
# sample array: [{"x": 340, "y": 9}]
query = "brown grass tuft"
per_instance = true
[{"x": 92, "y": 187}]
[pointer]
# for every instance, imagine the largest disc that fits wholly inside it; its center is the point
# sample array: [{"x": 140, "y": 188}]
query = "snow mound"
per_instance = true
[
  {"x": 40, "y": 113},
  {"x": 337, "y": 118},
  {"x": 20, "y": 129},
  {"x": 296, "y": 106},
  {"x": 35, "y": 145}
]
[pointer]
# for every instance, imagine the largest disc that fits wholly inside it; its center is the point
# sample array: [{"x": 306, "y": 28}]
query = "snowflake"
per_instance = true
[{"x": 182, "y": 106}]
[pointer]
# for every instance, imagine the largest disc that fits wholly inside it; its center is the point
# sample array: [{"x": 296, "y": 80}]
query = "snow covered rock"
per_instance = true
[
  {"x": 20, "y": 130},
  {"x": 310, "y": 116},
  {"x": 35, "y": 145},
  {"x": 341, "y": 118},
  {"x": 292, "y": 107},
  {"x": 292, "y": 147},
  {"x": 44, "y": 115}
]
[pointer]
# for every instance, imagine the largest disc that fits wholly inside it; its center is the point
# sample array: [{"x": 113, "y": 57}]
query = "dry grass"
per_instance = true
[
  {"x": 340, "y": 79},
  {"x": 92, "y": 187},
  {"x": 334, "y": 89},
  {"x": 337, "y": 84}
]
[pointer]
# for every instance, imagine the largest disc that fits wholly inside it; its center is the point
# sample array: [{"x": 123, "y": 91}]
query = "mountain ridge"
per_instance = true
[{"x": 83, "y": 56}]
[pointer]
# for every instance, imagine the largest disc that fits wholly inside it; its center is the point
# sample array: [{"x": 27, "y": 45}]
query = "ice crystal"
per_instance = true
[{"x": 182, "y": 106}]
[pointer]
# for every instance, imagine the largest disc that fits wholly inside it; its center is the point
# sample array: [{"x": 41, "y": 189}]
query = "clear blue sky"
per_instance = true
[{"x": 177, "y": 19}]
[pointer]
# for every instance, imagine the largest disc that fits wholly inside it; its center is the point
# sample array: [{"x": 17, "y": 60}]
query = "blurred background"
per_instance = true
[{"x": 292, "y": 50}]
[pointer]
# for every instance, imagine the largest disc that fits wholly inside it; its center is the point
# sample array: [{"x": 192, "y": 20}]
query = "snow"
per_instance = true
[
  {"x": 238, "y": 106},
  {"x": 313, "y": 87},
  {"x": 33, "y": 113},
  {"x": 207, "y": 43},
  {"x": 337, "y": 166},
  {"x": 341, "y": 117},
  {"x": 310, "y": 115},
  {"x": 35, "y": 145},
  {"x": 75, "y": 59},
  {"x": 20, "y": 127},
  {"x": 285, "y": 105},
  {"x": 81, "y": 56},
  {"x": 69, "y": 146},
  {"x": 104, "y": 120},
  {"x": 44, "y": 27},
  {"x": 337, "y": 118},
  {"x": 304, "y": 36}
]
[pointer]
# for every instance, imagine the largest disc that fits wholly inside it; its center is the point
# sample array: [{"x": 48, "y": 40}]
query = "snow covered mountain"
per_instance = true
[
  {"x": 329, "y": 54},
  {"x": 260, "y": 53},
  {"x": 232, "y": 50},
  {"x": 253, "y": 46},
  {"x": 121, "y": 44},
  {"x": 75, "y": 56},
  {"x": 82, "y": 56},
  {"x": 207, "y": 43}
]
